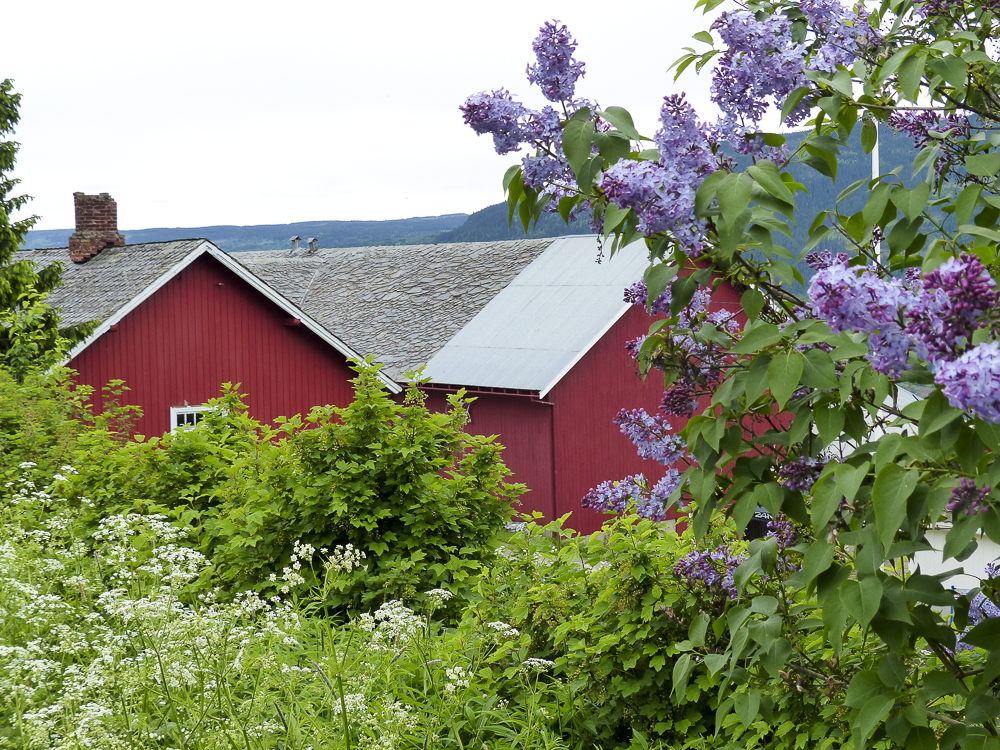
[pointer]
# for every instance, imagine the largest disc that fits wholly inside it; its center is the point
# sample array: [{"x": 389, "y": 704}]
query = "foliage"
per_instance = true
[
  {"x": 41, "y": 420},
  {"x": 423, "y": 497},
  {"x": 131, "y": 647},
  {"x": 30, "y": 332},
  {"x": 803, "y": 409}
]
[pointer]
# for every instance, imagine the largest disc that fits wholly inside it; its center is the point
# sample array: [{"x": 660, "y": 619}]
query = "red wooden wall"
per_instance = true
[{"x": 206, "y": 327}]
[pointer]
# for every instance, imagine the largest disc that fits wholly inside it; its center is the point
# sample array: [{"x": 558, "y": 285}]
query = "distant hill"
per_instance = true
[
  {"x": 490, "y": 223},
  {"x": 236, "y": 239}
]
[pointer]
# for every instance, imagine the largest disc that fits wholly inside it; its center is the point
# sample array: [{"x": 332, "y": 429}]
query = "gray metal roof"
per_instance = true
[
  {"x": 97, "y": 289},
  {"x": 531, "y": 333},
  {"x": 400, "y": 303}
]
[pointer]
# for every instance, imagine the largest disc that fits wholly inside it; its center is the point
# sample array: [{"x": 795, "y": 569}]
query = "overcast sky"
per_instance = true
[{"x": 193, "y": 113}]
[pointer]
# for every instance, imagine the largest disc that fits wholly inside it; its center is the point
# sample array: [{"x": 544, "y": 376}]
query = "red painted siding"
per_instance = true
[
  {"x": 525, "y": 429},
  {"x": 206, "y": 327},
  {"x": 589, "y": 448}
]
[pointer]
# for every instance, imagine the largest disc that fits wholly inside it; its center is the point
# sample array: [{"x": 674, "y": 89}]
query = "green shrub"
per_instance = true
[
  {"x": 421, "y": 496},
  {"x": 644, "y": 646}
]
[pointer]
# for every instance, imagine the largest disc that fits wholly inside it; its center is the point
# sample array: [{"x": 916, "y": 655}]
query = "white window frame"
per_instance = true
[{"x": 176, "y": 412}]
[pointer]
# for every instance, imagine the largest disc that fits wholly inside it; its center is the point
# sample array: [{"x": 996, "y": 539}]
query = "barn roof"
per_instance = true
[
  {"x": 113, "y": 283},
  {"x": 401, "y": 303},
  {"x": 535, "y": 330},
  {"x": 96, "y": 290}
]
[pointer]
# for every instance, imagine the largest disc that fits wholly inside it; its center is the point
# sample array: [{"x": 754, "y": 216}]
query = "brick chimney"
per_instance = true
[{"x": 96, "y": 226}]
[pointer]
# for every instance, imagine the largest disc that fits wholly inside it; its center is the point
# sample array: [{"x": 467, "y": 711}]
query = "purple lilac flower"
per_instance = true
[
  {"x": 714, "y": 568},
  {"x": 973, "y": 381},
  {"x": 866, "y": 303},
  {"x": 800, "y": 474},
  {"x": 947, "y": 308},
  {"x": 633, "y": 346},
  {"x": 497, "y": 114},
  {"x": 992, "y": 570},
  {"x": 782, "y": 530},
  {"x": 980, "y": 608},
  {"x": 556, "y": 72},
  {"x": 679, "y": 400},
  {"x": 969, "y": 498},
  {"x": 633, "y": 493},
  {"x": 919, "y": 126},
  {"x": 761, "y": 62},
  {"x": 821, "y": 259},
  {"x": 638, "y": 295},
  {"x": 845, "y": 33},
  {"x": 652, "y": 435},
  {"x": 684, "y": 143}
]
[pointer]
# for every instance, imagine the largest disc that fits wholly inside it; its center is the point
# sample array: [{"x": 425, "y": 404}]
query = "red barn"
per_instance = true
[{"x": 534, "y": 329}]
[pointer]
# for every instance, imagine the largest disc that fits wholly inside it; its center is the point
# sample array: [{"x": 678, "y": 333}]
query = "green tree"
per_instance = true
[{"x": 30, "y": 335}]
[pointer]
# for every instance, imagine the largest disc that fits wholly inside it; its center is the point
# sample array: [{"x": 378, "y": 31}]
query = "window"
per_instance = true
[{"x": 186, "y": 416}]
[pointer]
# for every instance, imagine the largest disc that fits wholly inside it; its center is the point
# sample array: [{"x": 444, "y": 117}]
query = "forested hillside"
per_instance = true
[
  {"x": 237, "y": 239},
  {"x": 490, "y": 223}
]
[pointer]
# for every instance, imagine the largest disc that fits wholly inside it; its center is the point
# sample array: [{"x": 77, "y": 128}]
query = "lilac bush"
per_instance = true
[{"x": 801, "y": 397}]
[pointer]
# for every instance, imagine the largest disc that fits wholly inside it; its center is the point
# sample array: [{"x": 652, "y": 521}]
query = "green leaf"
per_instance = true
[
  {"x": 878, "y": 199},
  {"x": 937, "y": 414},
  {"x": 706, "y": 191},
  {"x": 869, "y": 136},
  {"x": 757, "y": 377},
  {"x": 911, "y": 202},
  {"x": 818, "y": 370},
  {"x": 983, "y": 165},
  {"x": 613, "y": 217},
  {"x": 985, "y": 635},
  {"x": 753, "y": 302},
  {"x": 681, "y": 674},
  {"x": 784, "y": 374},
  {"x": 893, "y": 487},
  {"x": 733, "y": 194},
  {"x": 759, "y": 337},
  {"x": 622, "y": 120},
  {"x": 818, "y": 558},
  {"x": 910, "y": 74},
  {"x": 830, "y": 422},
  {"x": 698, "y": 629},
  {"x": 703, "y": 36},
  {"x": 578, "y": 135},
  {"x": 766, "y": 174},
  {"x": 657, "y": 278},
  {"x": 965, "y": 204}
]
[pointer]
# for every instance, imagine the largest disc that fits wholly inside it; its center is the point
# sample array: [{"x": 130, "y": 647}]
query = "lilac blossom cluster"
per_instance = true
[
  {"x": 845, "y": 33},
  {"x": 634, "y": 493},
  {"x": 980, "y": 608},
  {"x": 782, "y": 530},
  {"x": 652, "y": 436},
  {"x": 513, "y": 125},
  {"x": 714, "y": 568},
  {"x": 662, "y": 192},
  {"x": 761, "y": 62},
  {"x": 934, "y": 319},
  {"x": 926, "y": 127},
  {"x": 800, "y": 474},
  {"x": 638, "y": 295},
  {"x": 969, "y": 498},
  {"x": 555, "y": 72}
]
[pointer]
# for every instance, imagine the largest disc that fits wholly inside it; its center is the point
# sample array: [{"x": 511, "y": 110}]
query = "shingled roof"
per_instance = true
[
  {"x": 113, "y": 283},
  {"x": 401, "y": 303},
  {"x": 96, "y": 290}
]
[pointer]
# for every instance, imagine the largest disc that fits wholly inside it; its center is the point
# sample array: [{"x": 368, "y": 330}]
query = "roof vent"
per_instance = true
[
  {"x": 313, "y": 244},
  {"x": 295, "y": 244}
]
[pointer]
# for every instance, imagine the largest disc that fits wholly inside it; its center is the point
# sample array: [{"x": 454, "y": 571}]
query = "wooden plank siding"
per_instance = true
[{"x": 206, "y": 327}]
